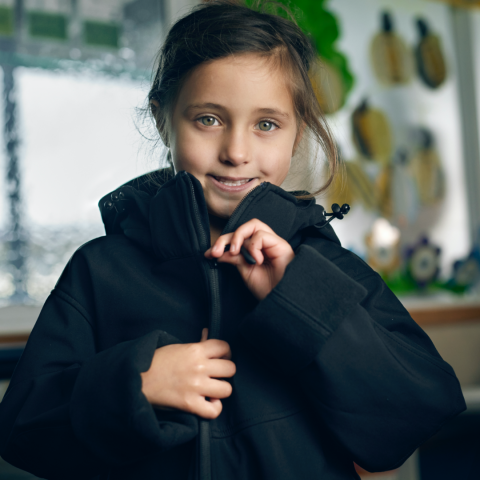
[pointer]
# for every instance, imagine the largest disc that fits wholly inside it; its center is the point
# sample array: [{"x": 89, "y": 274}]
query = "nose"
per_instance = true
[{"x": 235, "y": 149}]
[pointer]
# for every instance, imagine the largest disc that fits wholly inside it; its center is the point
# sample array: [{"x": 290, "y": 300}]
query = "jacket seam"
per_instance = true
[
  {"x": 229, "y": 431},
  {"x": 410, "y": 349},
  {"x": 73, "y": 303},
  {"x": 365, "y": 276},
  {"x": 296, "y": 308}
]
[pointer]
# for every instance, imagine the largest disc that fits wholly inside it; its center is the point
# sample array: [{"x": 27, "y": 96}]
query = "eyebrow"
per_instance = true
[{"x": 266, "y": 111}]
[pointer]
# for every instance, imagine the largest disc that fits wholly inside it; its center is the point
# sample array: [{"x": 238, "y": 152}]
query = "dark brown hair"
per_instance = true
[{"x": 219, "y": 28}]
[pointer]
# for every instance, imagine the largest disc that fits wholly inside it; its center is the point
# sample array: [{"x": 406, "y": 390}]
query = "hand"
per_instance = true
[
  {"x": 182, "y": 375},
  {"x": 271, "y": 252}
]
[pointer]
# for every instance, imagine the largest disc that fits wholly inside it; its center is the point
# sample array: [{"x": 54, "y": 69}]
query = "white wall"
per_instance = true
[{"x": 406, "y": 107}]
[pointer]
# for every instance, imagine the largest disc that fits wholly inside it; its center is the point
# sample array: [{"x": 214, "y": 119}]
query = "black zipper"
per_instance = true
[
  {"x": 240, "y": 208},
  {"x": 204, "y": 468},
  {"x": 196, "y": 212}
]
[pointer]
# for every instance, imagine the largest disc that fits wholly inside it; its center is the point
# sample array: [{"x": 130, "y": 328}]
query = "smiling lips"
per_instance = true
[
  {"x": 231, "y": 184},
  {"x": 232, "y": 181}
]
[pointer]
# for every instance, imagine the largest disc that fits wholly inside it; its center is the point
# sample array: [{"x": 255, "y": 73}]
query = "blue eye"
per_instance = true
[{"x": 207, "y": 121}]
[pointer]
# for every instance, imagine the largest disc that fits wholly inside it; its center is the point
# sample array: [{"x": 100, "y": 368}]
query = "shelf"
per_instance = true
[
  {"x": 16, "y": 323},
  {"x": 442, "y": 309},
  {"x": 446, "y": 315}
]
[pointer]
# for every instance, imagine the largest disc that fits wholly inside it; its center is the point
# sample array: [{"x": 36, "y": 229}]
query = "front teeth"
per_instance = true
[{"x": 234, "y": 184}]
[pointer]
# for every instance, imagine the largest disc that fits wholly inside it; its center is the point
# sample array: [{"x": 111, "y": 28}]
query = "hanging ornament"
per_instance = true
[
  {"x": 354, "y": 186},
  {"x": 429, "y": 57},
  {"x": 404, "y": 192},
  {"x": 371, "y": 133},
  {"x": 328, "y": 86},
  {"x": 384, "y": 191},
  {"x": 466, "y": 273},
  {"x": 390, "y": 57},
  {"x": 383, "y": 247},
  {"x": 423, "y": 262},
  {"x": 427, "y": 170}
]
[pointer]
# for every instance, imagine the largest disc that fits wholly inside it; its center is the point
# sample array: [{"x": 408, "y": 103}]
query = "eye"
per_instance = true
[
  {"x": 267, "y": 126},
  {"x": 207, "y": 121}
]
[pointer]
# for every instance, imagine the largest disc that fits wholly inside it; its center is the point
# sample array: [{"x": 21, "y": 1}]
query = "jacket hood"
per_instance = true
[{"x": 167, "y": 213}]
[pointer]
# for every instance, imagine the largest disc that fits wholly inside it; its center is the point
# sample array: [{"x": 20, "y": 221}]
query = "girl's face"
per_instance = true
[{"x": 233, "y": 127}]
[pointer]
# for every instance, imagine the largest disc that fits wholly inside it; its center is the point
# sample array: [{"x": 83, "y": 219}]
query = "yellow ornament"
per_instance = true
[{"x": 328, "y": 86}]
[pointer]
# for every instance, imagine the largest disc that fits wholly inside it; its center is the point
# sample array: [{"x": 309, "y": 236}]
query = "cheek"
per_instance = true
[
  {"x": 283, "y": 170},
  {"x": 277, "y": 162},
  {"x": 188, "y": 152}
]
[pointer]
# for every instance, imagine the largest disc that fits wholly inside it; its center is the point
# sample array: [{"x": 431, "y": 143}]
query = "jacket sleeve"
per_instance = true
[
  {"x": 367, "y": 369},
  {"x": 73, "y": 412}
]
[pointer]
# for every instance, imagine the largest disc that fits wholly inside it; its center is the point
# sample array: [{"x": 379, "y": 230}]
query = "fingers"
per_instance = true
[
  {"x": 210, "y": 409},
  {"x": 218, "y": 248},
  {"x": 245, "y": 231},
  {"x": 236, "y": 239},
  {"x": 256, "y": 246},
  {"x": 220, "y": 368},
  {"x": 204, "y": 335},
  {"x": 217, "y": 349},
  {"x": 214, "y": 389},
  {"x": 257, "y": 238}
]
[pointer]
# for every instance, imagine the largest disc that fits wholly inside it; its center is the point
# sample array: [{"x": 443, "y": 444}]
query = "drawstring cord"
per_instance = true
[{"x": 337, "y": 212}]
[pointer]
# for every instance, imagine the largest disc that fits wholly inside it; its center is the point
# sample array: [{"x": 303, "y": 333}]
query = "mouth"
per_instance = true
[
  {"x": 232, "y": 181},
  {"x": 232, "y": 185}
]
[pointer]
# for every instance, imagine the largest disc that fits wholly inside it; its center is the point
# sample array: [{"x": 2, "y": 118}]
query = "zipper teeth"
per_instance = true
[
  {"x": 215, "y": 321},
  {"x": 204, "y": 459},
  {"x": 231, "y": 220},
  {"x": 197, "y": 212}
]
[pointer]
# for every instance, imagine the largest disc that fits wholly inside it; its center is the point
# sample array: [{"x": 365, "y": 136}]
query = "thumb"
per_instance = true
[{"x": 204, "y": 335}]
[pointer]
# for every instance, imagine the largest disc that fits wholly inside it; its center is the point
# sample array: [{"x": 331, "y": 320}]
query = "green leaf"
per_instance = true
[{"x": 323, "y": 29}]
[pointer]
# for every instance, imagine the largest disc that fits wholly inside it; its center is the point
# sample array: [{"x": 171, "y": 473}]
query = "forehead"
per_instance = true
[{"x": 241, "y": 83}]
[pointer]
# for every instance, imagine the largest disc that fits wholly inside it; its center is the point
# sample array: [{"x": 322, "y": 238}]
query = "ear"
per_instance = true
[
  {"x": 299, "y": 137},
  {"x": 154, "y": 106}
]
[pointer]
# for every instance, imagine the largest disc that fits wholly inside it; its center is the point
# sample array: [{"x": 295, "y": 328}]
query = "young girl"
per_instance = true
[{"x": 166, "y": 351}]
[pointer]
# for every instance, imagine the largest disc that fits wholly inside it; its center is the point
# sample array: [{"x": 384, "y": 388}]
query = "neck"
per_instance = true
[{"x": 217, "y": 225}]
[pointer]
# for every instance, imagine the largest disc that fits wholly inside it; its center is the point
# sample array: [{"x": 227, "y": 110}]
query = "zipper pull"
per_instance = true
[
  {"x": 245, "y": 253},
  {"x": 213, "y": 263}
]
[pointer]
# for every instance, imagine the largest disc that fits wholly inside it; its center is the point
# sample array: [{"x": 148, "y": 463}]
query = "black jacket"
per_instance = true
[{"x": 331, "y": 369}]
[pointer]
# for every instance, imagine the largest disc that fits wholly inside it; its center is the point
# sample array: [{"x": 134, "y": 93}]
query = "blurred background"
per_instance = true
[{"x": 399, "y": 84}]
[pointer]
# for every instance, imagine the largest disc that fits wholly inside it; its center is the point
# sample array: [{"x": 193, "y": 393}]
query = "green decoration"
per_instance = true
[
  {"x": 6, "y": 21},
  {"x": 101, "y": 34},
  {"x": 323, "y": 29},
  {"x": 47, "y": 25}
]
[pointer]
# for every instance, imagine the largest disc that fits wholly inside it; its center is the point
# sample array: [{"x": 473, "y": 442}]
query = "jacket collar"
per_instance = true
[{"x": 172, "y": 220}]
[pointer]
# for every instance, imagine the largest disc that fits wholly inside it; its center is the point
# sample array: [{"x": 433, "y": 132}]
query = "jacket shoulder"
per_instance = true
[
  {"x": 347, "y": 261},
  {"x": 94, "y": 265},
  {"x": 102, "y": 247},
  {"x": 97, "y": 252}
]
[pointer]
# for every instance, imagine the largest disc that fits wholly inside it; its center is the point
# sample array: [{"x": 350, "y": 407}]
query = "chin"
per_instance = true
[
  {"x": 220, "y": 214},
  {"x": 223, "y": 212},
  {"x": 220, "y": 207}
]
